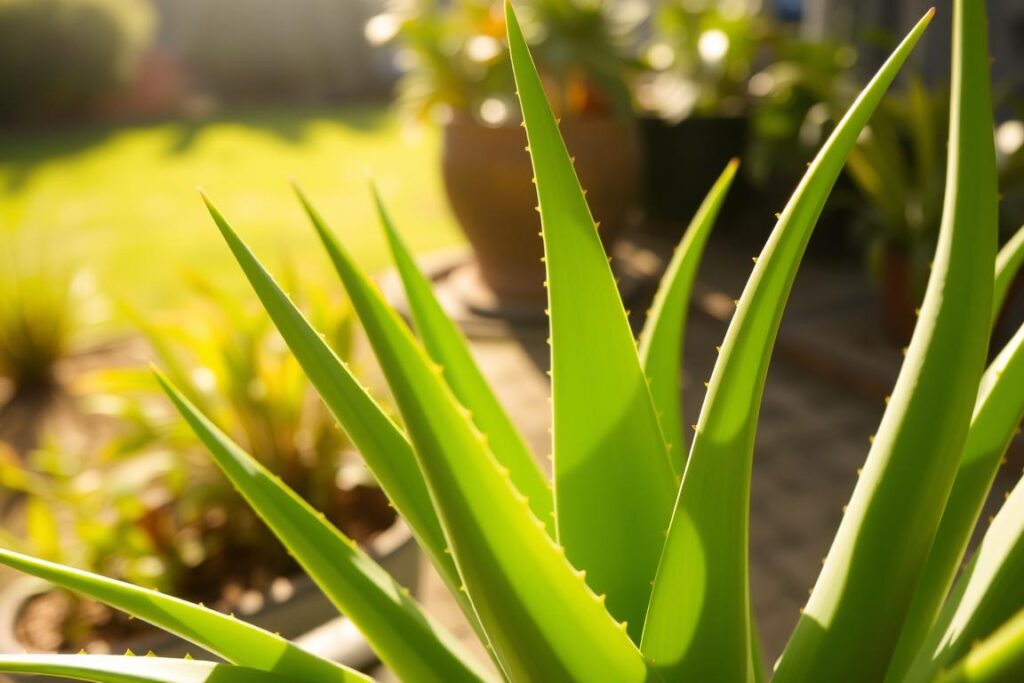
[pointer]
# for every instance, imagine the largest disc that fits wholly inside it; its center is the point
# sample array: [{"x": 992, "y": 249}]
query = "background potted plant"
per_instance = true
[
  {"x": 457, "y": 71},
  {"x": 694, "y": 95},
  {"x": 897, "y": 170},
  {"x": 149, "y": 508}
]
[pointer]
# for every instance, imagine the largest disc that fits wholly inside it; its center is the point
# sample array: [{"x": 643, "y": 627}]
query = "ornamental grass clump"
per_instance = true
[{"x": 632, "y": 563}]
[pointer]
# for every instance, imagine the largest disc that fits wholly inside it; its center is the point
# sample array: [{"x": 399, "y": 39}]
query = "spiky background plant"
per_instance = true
[
  {"x": 148, "y": 506},
  {"x": 632, "y": 564},
  {"x": 44, "y": 308}
]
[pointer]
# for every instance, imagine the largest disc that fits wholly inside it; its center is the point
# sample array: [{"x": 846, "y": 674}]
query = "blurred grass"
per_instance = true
[{"x": 122, "y": 201}]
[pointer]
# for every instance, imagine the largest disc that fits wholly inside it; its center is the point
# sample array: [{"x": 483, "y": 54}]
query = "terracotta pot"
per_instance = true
[
  {"x": 303, "y": 614},
  {"x": 487, "y": 176},
  {"x": 898, "y": 300}
]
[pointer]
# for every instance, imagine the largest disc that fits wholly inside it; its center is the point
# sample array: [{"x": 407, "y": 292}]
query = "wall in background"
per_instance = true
[{"x": 859, "y": 20}]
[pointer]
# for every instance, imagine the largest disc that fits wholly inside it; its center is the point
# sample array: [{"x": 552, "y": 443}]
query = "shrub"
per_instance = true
[
  {"x": 46, "y": 308},
  {"x": 58, "y": 57},
  {"x": 254, "y": 49},
  {"x": 637, "y": 569}
]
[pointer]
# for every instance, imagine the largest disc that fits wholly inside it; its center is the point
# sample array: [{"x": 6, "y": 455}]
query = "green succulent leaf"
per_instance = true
[
  {"x": 698, "y": 625},
  {"x": 1008, "y": 263},
  {"x": 404, "y": 637},
  {"x": 446, "y": 345},
  {"x": 115, "y": 669},
  {"x": 997, "y": 659},
  {"x": 534, "y": 607},
  {"x": 997, "y": 413},
  {"x": 865, "y": 588},
  {"x": 223, "y": 635},
  {"x": 661, "y": 341},
  {"x": 384, "y": 447},
  {"x": 612, "y": 468},
  {"x": 987, "y": 594}
]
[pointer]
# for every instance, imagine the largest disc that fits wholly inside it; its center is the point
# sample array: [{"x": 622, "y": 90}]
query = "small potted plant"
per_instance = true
[
  {"x": 457, "y": 71},
  {"x": 149, "y": 508},
  {"x": 897, "y": 168}
]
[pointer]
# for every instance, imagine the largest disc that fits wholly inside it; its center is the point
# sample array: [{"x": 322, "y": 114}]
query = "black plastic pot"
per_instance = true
[{"x": 683, "y": 160}]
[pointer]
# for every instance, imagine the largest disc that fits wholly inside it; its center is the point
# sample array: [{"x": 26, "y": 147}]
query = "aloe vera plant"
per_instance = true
[{"x": 631, "y": 564}]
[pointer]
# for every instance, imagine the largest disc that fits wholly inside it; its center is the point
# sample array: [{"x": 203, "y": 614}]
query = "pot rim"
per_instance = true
[{"x": 14, "y": 595}]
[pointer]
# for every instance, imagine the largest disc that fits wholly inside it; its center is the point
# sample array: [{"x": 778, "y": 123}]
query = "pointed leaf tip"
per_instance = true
[
  {"x": 490, "y": 531},
  {"x": 447, "y": 347},
  {"x": 705, "y": 551},
  {"x": 911, "y": 466},
  {"x": 396, "y": 628},
  {"x": 629, "y": 500}
]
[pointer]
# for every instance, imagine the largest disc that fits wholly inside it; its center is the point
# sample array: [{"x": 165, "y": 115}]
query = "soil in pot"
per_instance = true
[
  {"x": 487, "y": 176},
  {"x": 232, "y": 581}
]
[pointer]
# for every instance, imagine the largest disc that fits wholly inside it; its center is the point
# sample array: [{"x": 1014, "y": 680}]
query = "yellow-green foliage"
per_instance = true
[
  {"x": 641, "y": 574},
  {"x": 43, "y": 308}
]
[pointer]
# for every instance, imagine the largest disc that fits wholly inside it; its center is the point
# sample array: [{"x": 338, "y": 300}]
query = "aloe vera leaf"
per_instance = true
[
  {"x": 384, "y": 447},
  {"x": 612, "y": 469},
  {"x": 661, "y": 341},
  {"x": 698, "y": 622},
  {"x": 986, "y": 595},
  {"x": 997, "y": 659},
  {"x": 128, "y": 669},
  {"x": 756, "y": 653},
  {"x": 997, "y": 413},
  {"x": 534, "y": 607},
  {"x": 447, "y": 346},
  {"x": 1008, "y": 263},
  {"x": 865, "y": 588},
  {"x": 234, "y": 640},
  {"x": 405, "y": 638}
]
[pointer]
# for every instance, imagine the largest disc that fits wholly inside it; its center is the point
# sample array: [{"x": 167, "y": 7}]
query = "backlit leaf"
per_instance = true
[{"x": 880, "y": 550}]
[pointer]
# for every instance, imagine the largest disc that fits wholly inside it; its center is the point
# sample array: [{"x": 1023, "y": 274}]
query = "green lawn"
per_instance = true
[{"x": 123, "y": 200}]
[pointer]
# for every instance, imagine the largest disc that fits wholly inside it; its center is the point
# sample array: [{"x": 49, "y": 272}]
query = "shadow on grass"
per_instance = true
[
  {"x": 24, "y": 149},
  {"x": 289, "y": 124}
]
